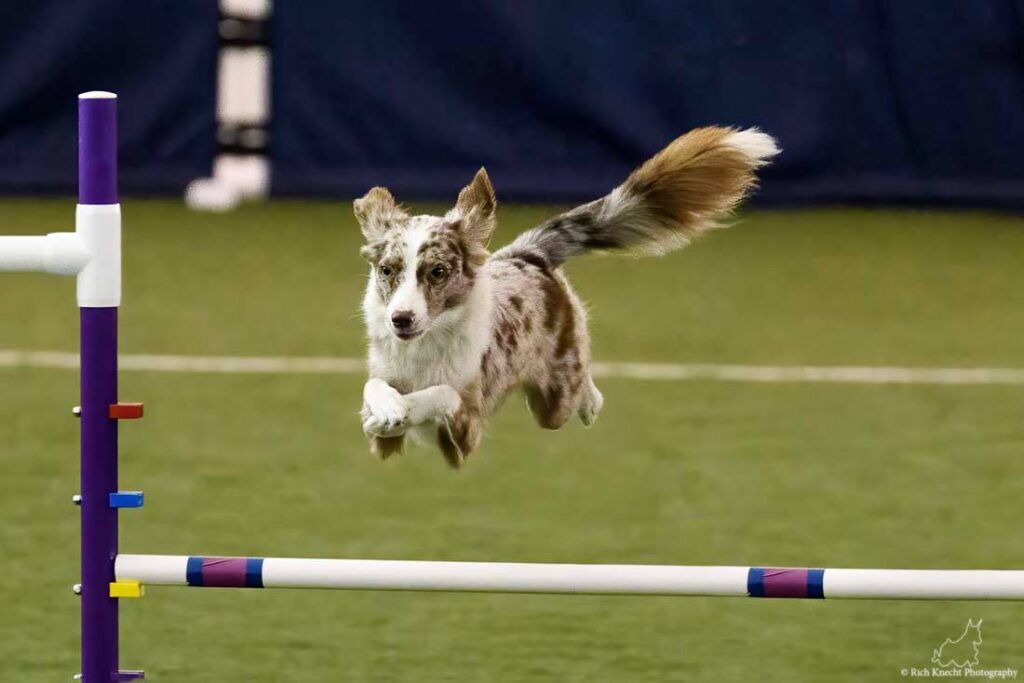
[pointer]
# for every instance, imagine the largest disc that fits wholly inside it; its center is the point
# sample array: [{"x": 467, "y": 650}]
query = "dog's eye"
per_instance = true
[
  {"x": 438, "y": 272},
  {"x": 385, "y": 271}
]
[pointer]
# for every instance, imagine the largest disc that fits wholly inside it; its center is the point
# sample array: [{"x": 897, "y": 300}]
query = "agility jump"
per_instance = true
[{"x": 93, "y": 254}]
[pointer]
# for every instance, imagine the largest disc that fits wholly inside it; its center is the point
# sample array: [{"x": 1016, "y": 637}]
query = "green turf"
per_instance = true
[{"x": 684, "y": 473}]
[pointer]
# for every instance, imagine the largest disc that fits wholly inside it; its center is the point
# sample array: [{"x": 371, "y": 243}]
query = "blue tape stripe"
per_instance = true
[
  {"x": 194, "y": 571},
  {"x": 755, "y": 582},
  {"x": 254, "y": 572},
  {"x": 815, "y": 583}
]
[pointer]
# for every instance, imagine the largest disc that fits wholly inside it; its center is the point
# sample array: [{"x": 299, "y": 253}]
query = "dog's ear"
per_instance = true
[
  {"x": 476, "y": 209},
  {"x": 377, "y": 213}
]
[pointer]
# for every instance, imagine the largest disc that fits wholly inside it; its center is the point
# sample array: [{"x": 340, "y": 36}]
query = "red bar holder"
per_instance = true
[{"x": 125, "y": 411}]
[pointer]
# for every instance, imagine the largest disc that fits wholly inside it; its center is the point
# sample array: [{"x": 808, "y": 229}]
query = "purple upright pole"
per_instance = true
[{"x": 97, "y": 185}]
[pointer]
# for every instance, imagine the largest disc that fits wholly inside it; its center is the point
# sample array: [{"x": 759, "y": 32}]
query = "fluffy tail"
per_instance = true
[{"x": 681, "y": 192}]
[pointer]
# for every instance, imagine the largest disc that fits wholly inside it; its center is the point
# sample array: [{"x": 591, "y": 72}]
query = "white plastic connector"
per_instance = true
[
  {"x": 99, "y": 228},
  {"x": 66, "y": 254},
  {"x": 93, "y": 252}
]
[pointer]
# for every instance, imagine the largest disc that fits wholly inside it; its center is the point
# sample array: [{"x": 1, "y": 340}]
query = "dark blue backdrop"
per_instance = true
[
  {"x": 872, "y": 100},
  {"x": 160, "y": 57},
  {"x": 908, "y": 100}
]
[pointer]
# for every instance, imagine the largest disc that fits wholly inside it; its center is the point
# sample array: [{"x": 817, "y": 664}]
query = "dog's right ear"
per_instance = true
[{"x": 377, "y": 213}]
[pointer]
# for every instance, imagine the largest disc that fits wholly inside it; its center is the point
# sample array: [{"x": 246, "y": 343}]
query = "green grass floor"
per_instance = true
[{"x": 677, "y": 473}]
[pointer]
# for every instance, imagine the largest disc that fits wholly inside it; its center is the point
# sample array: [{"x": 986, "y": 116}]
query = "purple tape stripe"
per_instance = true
[
  {"x": 225, "y": 572},
  {"x": 776, "y": 582},
  {"x": 785, "y": 583}
]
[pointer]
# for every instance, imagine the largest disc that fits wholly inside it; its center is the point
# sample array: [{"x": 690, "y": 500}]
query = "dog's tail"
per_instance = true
[{"x": 684, "y": 190}]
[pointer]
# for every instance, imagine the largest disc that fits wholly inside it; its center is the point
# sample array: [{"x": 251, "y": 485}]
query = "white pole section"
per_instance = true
[
  {"x": 932, "y": 584},
  {"x": 507, "y": 577},
  {"x": 60, "y": 253},
  {"x": 22, "y": 254}
]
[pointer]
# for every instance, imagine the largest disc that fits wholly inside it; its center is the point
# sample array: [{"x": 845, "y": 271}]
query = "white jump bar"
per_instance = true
[
  {"x": 508, "y": 577},
  {"x": 60, "y": 253}
]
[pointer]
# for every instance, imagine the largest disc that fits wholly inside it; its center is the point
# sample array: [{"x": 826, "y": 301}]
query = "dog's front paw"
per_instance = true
[{"x": 387, "y": 414}]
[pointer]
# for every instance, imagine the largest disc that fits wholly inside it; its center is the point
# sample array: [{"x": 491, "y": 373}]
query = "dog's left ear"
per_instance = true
[
  {"x": 377, "y": 212},
  {"x": 476, "y": 209}
]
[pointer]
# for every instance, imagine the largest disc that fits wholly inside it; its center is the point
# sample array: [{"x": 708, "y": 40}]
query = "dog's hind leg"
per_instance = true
[
  {"x": 458, "y": 435},
  {"x": 553, "y": 404},
  {"x": 591, "y": 403}
]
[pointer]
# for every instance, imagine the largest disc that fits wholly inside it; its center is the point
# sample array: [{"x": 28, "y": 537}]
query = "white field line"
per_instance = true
[
  {"x": 672, "y": 372},
  {"x": 198, "y": 364}
]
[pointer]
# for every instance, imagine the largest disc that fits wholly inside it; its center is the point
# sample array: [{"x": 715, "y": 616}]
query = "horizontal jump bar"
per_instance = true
[
  {"x": 596, "y": 579},
  {"x": 60, "y": 253}
]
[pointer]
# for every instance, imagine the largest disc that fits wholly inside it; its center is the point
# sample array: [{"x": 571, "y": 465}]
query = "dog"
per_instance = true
[{"x": 454, "y": 329}]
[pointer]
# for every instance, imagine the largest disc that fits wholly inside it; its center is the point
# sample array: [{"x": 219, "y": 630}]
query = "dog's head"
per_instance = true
[{"x": 424, "y": 267}]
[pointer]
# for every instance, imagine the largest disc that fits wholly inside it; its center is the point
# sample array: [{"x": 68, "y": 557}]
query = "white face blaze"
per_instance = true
[{"x": 409, "y": 297}]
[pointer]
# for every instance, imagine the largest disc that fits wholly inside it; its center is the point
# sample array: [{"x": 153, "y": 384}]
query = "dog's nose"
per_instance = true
[{"x": 402, "y": 320}]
